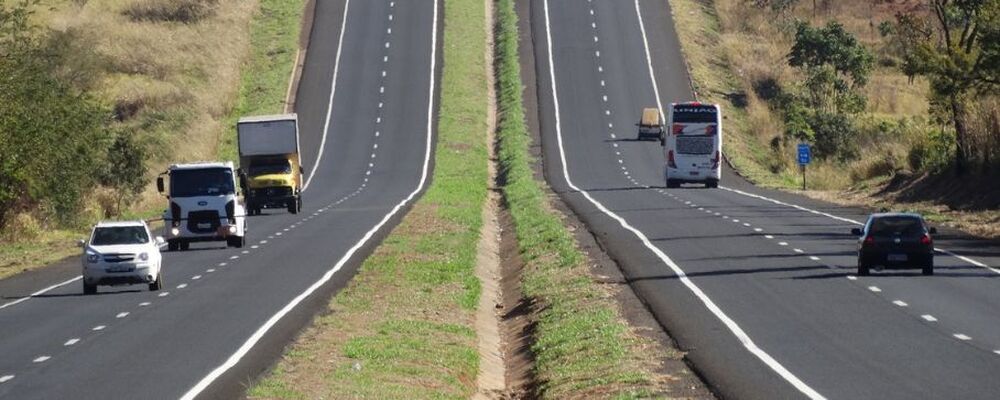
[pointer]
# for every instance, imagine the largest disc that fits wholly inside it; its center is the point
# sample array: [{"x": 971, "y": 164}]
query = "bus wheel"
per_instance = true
[
  {"x": 712, "y": 184},
  {"x": 672, "y": 184}
]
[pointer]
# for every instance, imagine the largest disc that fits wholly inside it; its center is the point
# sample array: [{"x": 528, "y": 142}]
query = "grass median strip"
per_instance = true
[
  {"x": 583, "y": 348},
  {"x": 403, "y": 328}
]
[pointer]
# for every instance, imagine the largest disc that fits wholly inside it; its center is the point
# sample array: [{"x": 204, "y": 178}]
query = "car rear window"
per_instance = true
[
  {"x": 896, "y": 226},
  {"x": 119, "y": 235}
]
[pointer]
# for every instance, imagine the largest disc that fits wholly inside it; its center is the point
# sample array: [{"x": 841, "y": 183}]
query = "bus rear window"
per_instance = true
[
  {"x": 698, "y": 145},
  {"x": 701, "y": 114}
]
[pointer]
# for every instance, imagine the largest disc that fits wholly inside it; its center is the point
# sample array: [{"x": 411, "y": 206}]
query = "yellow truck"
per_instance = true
[
  {"x": 650, "y": 126},
  {"x": 270, "y": 166}
]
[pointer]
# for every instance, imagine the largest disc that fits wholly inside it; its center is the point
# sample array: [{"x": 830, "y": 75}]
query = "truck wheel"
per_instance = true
[
  {"x": 672, "y": 184},
  {"x": 236, "y": 241},
  {"x": 157, "y": 284},
  {"x": 293, "y": 207},
  {"x": 173, "y": 245},
  {"x": 89, "y": 289}
]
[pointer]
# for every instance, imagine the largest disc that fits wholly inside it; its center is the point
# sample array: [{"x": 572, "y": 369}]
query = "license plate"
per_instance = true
[
  {"x": 121, "y": 269},
  {"x": 205, "y": 225},
  {"x": 896, "y": 257}
]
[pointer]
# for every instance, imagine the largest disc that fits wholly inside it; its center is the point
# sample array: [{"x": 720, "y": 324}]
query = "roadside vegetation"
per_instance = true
[
  {"x": 404, "y": 326},
  {"x": 129, "y": 87},
  {"x": 896, "y": 97},
  {"x": 582, "y": 346}
]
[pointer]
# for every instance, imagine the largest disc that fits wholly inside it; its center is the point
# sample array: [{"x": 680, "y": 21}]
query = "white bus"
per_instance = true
[{"x": 693, "y": 149}]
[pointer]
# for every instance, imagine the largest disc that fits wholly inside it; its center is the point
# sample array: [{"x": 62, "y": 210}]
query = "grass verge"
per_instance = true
[
  {"x": 404, "y": 327},
  {"x": 582, "y": 347}
]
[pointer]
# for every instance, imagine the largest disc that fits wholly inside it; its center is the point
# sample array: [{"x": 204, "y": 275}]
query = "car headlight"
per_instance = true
[
  {"x": 232, "y": 229},
  {"x": 144, "y": 256},
  {"x": 175, "y": 231},
  {"x": 93, "y": 257}
]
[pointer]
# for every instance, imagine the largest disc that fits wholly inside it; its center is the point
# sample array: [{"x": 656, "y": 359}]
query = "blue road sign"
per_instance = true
[{"x": 805, "y": 156}]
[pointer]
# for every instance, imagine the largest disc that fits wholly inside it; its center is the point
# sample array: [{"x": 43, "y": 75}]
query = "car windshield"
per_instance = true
[
  {"x": 105, "y": 236},
  {"x": 201, "y": 182},
  {"x": 274, "y": 168},
  {"x": 896, "y": 226}
]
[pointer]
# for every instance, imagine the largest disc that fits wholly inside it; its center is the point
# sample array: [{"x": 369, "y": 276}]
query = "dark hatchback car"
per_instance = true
[{"x": 897, "y": 241}]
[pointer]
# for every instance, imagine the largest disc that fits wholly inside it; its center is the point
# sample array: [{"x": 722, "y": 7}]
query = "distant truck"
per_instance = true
[
  {"x": 650, "y": 126},
  {"x": 269, "y": 158},
  {"x": 203, "y": 205}
]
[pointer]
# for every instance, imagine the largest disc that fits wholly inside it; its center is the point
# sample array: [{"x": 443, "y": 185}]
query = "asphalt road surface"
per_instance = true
[
  {"x": 757, "y": 285},
  {"x": 224, "y": 315}
]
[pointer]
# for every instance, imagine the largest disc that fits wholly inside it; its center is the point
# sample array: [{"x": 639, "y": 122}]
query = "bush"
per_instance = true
[
  {"x": 182, "y": 11},
  {"x": 932, "y": 152},
  {"x": 835, "y": 135}
]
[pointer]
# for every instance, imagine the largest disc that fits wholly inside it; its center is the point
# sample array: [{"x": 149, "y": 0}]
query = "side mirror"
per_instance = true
[
  {"x": 159, "y": 241},
  {"x": 856, "y": 231},
  {"x": 933, "y": 231},
  {"x": 81, "y": 243},
  {"x": 159, "y": 184}
]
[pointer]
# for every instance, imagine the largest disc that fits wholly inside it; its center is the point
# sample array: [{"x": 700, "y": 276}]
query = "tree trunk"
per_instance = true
[{"x": 961, "y": 135}]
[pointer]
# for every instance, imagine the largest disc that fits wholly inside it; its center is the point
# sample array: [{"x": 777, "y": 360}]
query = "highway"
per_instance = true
[
  {"x": 367, "y": 110},
  {"x": 756, "y": 285}
]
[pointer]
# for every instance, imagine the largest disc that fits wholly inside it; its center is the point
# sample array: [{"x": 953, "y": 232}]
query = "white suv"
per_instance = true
[{"x": 121, "y": 253}]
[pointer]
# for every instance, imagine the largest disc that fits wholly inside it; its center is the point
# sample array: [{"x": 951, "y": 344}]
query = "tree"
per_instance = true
[
  {"x": 956, "y": 45},
  {"x": 126, "y": 168}
]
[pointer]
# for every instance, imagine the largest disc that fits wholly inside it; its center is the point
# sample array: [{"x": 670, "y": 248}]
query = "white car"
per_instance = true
[{"x": 121, "y": 253}]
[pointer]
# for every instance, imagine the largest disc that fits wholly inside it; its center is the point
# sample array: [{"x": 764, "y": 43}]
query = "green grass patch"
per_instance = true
[
  {"x": 403, "y": 328},
  {"x": 274, "y": 44},
  {"x": 583, "y": 348}
]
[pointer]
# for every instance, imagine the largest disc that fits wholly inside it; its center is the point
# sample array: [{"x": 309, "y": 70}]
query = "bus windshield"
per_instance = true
[{"x": 201, "y": 182}]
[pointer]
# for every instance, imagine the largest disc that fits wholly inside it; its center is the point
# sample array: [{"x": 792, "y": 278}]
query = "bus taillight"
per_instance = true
[
  {"x": 670, "y": 159},
  {"x": 678, "y": 129},
  {"x": 710, "y": 130},
  {"x": 715, "y": 161}
]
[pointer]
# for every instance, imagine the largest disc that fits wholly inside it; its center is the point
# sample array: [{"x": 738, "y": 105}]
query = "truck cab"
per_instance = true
[
  {"x": 204, "y": 205},
  {"x": 269, "y": 159}
]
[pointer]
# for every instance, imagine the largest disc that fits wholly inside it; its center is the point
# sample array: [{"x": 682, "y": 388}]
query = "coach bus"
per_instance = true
[{"x": 693, "y": 146}]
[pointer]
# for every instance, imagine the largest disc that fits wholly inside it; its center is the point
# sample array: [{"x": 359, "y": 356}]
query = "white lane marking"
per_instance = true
[
  {"x": 737, "y": 331},
  {"x": 928, "y": 318},
  {"x": 164, "y": 294},
  {"x": 769, "y": 236},
  {"x": 758, "y": 230},
  {"x": 259, "y": 333},
  {"x": 385, "y": 59},
  {"x": 121, "y": 315},
  {"x": 851, "y": 221},
  {"x": 996, "y": 351},
  {"x": 900, "y": 303},
  {"x": 874, "y": 289},
  {"x": 196, "y": 277},
  {"x": 72, "y": 342},
  {"x": 852, "y": 277},
  {"x": 277, "y": 233},
  {"x": 798, "y": 250},
  {"x": 961, "y": 336},
  {"x": 333, "y": 90},
  {"x": 595, "y": 39},
  {"x": 6, "y": 378},
  {"x": 390, "y": 17},
  {"x": 210, "y": 270},
  {"x": 735, "y": 220},
  {"x": 746, "y": 224},
  {"x": 782, "y": 243},
  {"x": 182, "y": 286},
  {"x": 41, "y": 359},
  {"x": 814, "y": 258},
  {"x": 602, "y": 82},
  {"x": 144, "y": 304},
  {"x": 42, "y": 291},
  {"x": 222, "y": 264},
  {"x": 234, "y": 257},
  {"x": 99, "y": 328}
]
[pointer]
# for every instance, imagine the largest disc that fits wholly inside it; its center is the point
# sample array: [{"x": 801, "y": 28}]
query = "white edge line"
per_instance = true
[
  {"x": 851, "y": 221},
  {"x": 260, "y": 332},
  {"x": 733, "y": 327},
  {"x": 23, "y": 299},
  {"x": 333, "y": 89}
]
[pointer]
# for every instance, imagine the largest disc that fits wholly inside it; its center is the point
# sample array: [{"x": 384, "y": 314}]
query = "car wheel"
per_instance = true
[
  {"x": 672, "y": 184},
  {"x": 173, "y": 245},
  {"x": 89, "y": 289},
  {"x": 928, "y": 270},
  {"x": 184, "y": 246},
  {"x": 157, "y": 284},
  {"x": 863, "y": 270}
]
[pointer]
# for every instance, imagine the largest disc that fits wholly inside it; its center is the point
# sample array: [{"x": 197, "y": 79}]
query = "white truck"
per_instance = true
[
  {"x": 204, "y": 205},
  {"x": 269, "y": 159}
]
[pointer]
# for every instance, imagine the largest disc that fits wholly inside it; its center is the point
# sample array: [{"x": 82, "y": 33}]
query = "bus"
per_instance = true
[{"x": 693, "y": 146}]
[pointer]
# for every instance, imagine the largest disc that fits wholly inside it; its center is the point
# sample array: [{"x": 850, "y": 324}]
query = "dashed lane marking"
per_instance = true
[
  {"x": 874, "y": 289},
  {"x": 900, "y": 303},
  {"x": 961, "y": 336},
  {"x": 41, "y": 359},
  {"x": 6, "y": 378},
  {"x": 121, "y": 315},
  {"x": 928, "y": 318},
  {"x": 98, "y": 328},
  {"x": 72, "y": 342}
]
